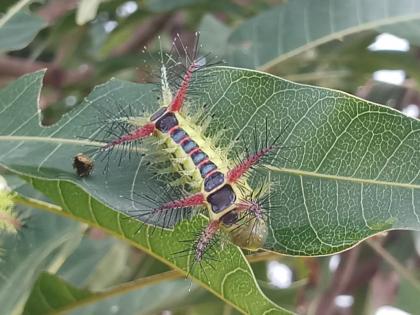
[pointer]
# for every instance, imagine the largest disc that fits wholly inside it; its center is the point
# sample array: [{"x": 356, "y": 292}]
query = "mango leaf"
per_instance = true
[
  {"x": 230, "y": 280},
  {"x": 289, "y": 29},
  {"x": 351, "y": 169},
  {"x": 18, "y": 31}
]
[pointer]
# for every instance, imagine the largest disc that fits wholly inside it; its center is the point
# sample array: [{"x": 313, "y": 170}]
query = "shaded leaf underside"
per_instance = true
[
  {"x": 19, "y": 31},
  {"x": 50, "y": 293}
]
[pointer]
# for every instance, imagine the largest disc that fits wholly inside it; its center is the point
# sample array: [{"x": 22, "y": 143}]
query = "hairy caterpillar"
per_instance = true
[
  {"x": 10, "y": 221},
  {"x": 212, "y": 181}
]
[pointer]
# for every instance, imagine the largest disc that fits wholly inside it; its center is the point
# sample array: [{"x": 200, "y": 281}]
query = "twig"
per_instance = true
[
  {"x": 55, "y": 9},
  {"x": 341, "y": 278},
  {"x": 123, "y": 288},
  {"x": 399, "y": 268},
  {"x": 262, "y": 256}
]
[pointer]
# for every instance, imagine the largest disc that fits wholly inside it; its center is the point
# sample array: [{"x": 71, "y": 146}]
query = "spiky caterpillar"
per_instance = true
[
  {"x": 10, "y": 221},
  {"x": 218, "y": 184}
]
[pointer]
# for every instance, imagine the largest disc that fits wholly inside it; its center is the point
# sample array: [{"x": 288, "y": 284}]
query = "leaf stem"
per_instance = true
[
  {"x": 123, "y": 288},
  {"x": 401, "y": 270},
  {"x": 39, "y": 204},
  {"x": 150, "y": 280},
  {"x": 262, "y": 256}
]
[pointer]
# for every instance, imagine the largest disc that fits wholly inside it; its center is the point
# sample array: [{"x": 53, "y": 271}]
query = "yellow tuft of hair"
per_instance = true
[{"x": 9, "y": 221}]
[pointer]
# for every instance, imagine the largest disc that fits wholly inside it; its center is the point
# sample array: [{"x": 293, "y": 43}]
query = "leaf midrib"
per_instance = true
[
  {"x": 340, "y": 178},
  {"x": 270, "y": 167}
]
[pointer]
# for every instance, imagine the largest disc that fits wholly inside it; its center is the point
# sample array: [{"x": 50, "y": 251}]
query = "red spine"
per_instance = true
[
  {"x": 205, "y": 239},
  {"x": 238, "y": 171},
  {"x": 140, "y": 133},
  {"x": 179, "y": 99},
  {"x": 194, "y": 200}
]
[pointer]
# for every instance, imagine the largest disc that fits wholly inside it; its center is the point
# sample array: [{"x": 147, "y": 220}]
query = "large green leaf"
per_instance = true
[
  {"x": 352, "y": 171},
  {"x": 284, "y": 31},
  {"x": 231, "y": 279}
]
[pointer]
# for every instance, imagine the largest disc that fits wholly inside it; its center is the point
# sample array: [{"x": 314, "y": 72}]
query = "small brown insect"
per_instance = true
[{"x": 82, "y": 164}]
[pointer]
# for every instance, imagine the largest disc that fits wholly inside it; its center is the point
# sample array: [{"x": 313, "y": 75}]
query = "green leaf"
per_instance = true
[
  {"x": 351, "y": 169},
  {"x": 17, "y": 32},
  {"x": 231, "y": 279},
  {"x": 289, "y": 29}
]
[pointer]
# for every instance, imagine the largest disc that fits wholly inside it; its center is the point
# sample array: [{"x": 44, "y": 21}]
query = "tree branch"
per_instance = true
[
  {"x": 55, "y": 9},
  {"x": 341, "y": 278}
]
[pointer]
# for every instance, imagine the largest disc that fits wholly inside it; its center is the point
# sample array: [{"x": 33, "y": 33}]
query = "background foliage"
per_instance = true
[{"x": 325, "y": 43}]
